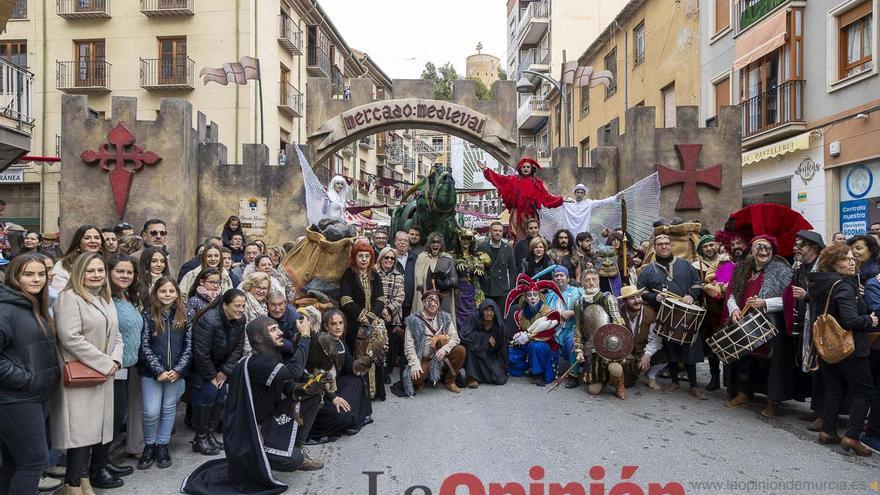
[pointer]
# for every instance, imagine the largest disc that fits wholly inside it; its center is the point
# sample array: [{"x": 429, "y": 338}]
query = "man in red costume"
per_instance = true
[{"x": 523, "y": 194}]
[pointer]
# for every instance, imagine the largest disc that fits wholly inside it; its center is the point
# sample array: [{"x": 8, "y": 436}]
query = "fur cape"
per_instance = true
[
  {"x": 419, "y": 331},
  {"x": 777, "y": 276}
]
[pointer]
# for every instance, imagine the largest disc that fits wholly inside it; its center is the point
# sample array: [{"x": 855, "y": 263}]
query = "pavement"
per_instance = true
[{"x": 496, "y": 434}]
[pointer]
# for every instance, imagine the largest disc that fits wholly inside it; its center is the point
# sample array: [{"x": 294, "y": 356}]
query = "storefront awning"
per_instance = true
[
  {"x": 761, "y": 40},
  {"x": 799, "y": 142}
]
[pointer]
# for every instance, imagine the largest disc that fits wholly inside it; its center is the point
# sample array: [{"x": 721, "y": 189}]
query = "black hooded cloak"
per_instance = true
[{"x": 484, "y": 362}]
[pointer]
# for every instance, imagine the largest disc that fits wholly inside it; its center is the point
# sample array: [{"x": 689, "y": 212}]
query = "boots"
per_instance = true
[
  {"x": 216, "y": 414},
  {"x": 619, "y": 387},
  {"x": 851, "y": 445},
  {"x": 148, "y": 457},
  {"x": 772, "y": 409},
  {"x": 103, "y": 479},
  {"x": 202, "y": 421},
  {"x": 714, "y": 382},
  {"x": 740, "y": 399}
]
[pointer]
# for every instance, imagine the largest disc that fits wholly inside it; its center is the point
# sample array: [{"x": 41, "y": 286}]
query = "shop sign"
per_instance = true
[
  {"x": 802, "y": 197},
  {"x": 807, "y": 170},
  {"x": 854, "y": 217},
  {"x": 860, "y": 181},
  {"x": 254, "y": 214},
  {"x": 12, "y": 175}
]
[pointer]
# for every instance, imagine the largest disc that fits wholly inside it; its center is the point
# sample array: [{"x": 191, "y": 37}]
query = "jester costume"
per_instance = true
[
  {"x": 534, "y": 348},
  {"x": 522, "y": 194}
]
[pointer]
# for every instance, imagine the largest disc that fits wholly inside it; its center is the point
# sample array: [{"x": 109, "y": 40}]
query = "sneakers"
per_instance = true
[
  {"x": 871, "y": 441},
  {"x": 309, "y": 464},
  {"x": 148, "y": 457},
  {"x": 55, "y": 471},
  {"x": 163, "y": 458},
  {"x": 48, "y": 484}
]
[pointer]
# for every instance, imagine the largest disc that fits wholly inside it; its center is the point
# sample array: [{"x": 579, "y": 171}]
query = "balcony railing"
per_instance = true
[
  {"x": 290, "y": 35},
  {"x": 318, "y": 64},
  {"x": 83, "y": 9},
  {"x": 167, "y": 73},
  {"x": 290, "y": 100},
  {"x": 153, "y": 8},
  {"x": 83, "y": 76},
  {"x": 776, "y": 107},
  {"x": 751, "y": 11},
  {"x": 366, "y": 142},
  {"x": 535, "y": 10},
  {"x": 16, "y": 96},
  {"x": 533, "y": 56}
]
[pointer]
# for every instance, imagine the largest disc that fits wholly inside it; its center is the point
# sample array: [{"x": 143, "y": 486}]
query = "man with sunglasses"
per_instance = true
[{"x": 155, "y": 235}]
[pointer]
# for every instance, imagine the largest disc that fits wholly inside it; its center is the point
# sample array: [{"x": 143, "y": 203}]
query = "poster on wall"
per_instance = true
[
  {"x": 859, "y": 197},
  {"x": 254, "y": 214},
  {"x": 854, "y": 217}
]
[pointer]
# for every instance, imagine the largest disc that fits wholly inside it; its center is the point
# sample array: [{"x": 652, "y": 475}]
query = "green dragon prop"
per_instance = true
[{"x": 429, "y": 205}]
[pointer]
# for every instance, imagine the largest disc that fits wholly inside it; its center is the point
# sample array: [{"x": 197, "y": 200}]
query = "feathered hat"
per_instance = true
[{"x": 524, "y": 284}]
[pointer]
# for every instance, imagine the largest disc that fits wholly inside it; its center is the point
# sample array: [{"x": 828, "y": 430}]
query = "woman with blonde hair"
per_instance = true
[
  {"x": 212, "y": 257},
  {"x": 256, "y": 288},
  {"x": 82, "y": 416}
]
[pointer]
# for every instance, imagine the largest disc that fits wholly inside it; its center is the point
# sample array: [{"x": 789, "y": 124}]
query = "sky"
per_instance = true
[{"x": 402, "y": 35}]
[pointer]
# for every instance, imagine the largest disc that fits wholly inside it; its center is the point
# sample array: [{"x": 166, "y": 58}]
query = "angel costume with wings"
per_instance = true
[
  {"x": 337, "y": 195},
  {"x": 592, "y": 215}
]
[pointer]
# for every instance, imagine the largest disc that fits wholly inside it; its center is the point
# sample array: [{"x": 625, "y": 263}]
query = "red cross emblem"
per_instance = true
[
  {"x": 689, "y": 156},
  {"x": 113, "y": 161}
]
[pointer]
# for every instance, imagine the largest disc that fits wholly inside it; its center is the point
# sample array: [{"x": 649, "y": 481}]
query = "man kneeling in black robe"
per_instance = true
[{"x": 260, "y": 427}]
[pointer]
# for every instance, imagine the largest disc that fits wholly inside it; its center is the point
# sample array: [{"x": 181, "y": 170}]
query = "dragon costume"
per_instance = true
[{"x": 429, "y": 205}]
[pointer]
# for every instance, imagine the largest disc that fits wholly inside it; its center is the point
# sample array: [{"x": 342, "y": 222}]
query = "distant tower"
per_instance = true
[{"x": 482, "y": 66}]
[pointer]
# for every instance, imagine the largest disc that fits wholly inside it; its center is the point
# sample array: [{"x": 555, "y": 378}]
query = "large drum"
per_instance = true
[
  {"x": 679, "y": 322},
  {"x": 739, "y": 338}
]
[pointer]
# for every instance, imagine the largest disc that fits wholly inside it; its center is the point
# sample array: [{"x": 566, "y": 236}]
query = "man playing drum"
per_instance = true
[
  {"x": 758, "y": 284},
  {"x": 596, "y": 309},
  {"x": 647, "y": 355},
  {"x": 707, "y": 263},
  {"x": 668, "y": 277}
]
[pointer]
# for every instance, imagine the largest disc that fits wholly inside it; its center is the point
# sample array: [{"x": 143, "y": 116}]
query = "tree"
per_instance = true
[
  {"x": 442, "y": 78},
  {"x": 483, "y": 91},
  {"x": 502, "y": 74}
]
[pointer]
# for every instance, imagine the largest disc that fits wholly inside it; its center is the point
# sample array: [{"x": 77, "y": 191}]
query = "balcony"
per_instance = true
[
  {"x": 167, "y": 73},
  {"x": 749, "y": 12},
  {"x": 366, "y": 142},
  {"x": 533, "y": 23},
  {"x": 83, "y": 76},
  {"x": 16, "y": 114},
  {"x": 318, "y": 64},
  {"x": 290, "y": 100},
  {"x": 350, "y": 150},
  {"x": 533, "y": 112},
  {"x": 289, "y": 35},
  {"x": 409, "y": 163},
  {"x": 158, "y": 8},
  {"x": 83, "y": 9},
  {"x": 776, "y": 113},
  {"x": 534, "y": 59}
]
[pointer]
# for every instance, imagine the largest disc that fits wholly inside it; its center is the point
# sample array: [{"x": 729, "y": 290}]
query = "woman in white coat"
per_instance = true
[{"x": 82, "y": 418}]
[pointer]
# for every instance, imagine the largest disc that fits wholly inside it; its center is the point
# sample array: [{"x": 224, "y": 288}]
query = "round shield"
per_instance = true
[{"x": 613, "y": 341}]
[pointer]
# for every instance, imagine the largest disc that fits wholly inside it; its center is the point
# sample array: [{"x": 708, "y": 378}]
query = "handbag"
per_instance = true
[
  {"x": 77, "y": 374},
  {"x": 832, "y": 342}
]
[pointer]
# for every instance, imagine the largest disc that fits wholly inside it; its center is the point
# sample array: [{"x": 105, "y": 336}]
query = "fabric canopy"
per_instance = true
[
  {"x": 761, "y": 40},
  {"x": 799, "y": 142}
]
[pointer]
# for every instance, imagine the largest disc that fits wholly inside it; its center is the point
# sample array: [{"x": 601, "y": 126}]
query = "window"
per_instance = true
[
  {"x": 856, "y": 49},
  {"x": 14, "y": 52},
  {"x": 20, "y": 10},
  {"x": 611, "y": 66},
  {"x": 437, "y": 143},
  {"x": 669, "y": 105},
  {"x": 585, "y": 101},
  {"x": 722, "y": 15},
  {"x": 172, "y": 60},
  {"x": 721, "y": 93},
  {"x": 639, "y": 43},
  {"x": 585, "y": 152},
  {"x": 90, "y": 67}
]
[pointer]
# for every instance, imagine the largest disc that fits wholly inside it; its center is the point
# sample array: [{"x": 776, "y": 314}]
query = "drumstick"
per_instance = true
[{"x": 669, "y": 294}]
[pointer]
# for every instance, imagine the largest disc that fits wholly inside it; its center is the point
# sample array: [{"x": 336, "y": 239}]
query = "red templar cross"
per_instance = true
[
  {"x": 689, "y": 156},
  {"x": 120, "y": 137}
]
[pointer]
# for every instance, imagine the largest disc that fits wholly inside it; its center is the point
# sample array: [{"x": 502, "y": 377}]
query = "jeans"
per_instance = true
[
  {"x": 207, "y": 395},
  {"x": 160, "y": 408},
  {"x": 23, "y": 446}
]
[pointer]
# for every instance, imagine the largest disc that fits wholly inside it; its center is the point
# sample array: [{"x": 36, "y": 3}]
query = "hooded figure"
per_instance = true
[
  {"x": 258, "y": 424},
  {"x": 486, "y": 360},
  {"x": 337, "y": 196}
]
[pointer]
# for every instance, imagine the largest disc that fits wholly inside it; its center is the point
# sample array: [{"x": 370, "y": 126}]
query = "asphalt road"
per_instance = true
[{"x": 498, "y": 433}]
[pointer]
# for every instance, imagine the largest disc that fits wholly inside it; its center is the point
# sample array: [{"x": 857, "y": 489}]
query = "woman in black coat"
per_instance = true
[
  {"x": 29, "y": 373},
  {"x": 217, "y": 345},
  {"x": 836, "y": 278},
  {"x": 537, "y": 260},
  {"x": 361, "y": 298}
]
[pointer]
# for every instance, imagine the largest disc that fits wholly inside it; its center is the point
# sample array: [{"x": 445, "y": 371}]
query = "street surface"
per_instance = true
[{"x": 499, "y": 433}]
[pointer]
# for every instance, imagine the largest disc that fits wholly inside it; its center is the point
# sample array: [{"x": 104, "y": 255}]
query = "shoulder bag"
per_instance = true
[
  {"x": 832, "y": 342},
  {"x": 79, "y": 375}
]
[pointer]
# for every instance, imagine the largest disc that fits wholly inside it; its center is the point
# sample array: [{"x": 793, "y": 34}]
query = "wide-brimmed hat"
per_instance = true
[{"x": 628, "y": 291}]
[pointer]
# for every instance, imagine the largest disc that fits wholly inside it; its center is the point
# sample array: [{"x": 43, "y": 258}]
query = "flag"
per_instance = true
[
  {"x": 581, "y": 76},
  {"x": 234, "y": 72}
]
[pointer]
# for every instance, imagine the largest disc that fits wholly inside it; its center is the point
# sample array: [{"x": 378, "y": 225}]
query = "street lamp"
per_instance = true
[{"x": 525, "y": 86}]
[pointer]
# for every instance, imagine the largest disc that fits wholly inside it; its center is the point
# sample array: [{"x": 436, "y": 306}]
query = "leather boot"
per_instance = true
[
  {"x": 741, "y": 399},
  {"x": 148, "y": 457},
  {"x": 103, "y": 479},
  {"x": 120, "y": 471},
  {"x": 853, "y": 445},
  {"x": 714, "y": 382},
  {"x": 202, "y": 421},
  {"x": 772, "y": 409},
  {"x": 216, "y": 414},
  {"x": 620, "y": 387}
]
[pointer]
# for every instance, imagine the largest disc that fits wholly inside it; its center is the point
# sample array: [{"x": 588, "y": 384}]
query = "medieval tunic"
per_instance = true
[
  {"x": 644, "y": 329},
  {"x": 678, "y": 277},
  {"x": 565, "y": 331},
  {"x": 486, "y": 362},
  {"x": 522, "y": 195},
  {"x": 332, "y": 423},
  {"x": 771, "y": 369},
  {"x": 417, "y": 345}
]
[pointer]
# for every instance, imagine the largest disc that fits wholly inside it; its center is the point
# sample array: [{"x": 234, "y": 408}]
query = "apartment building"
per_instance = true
[
  {"x": 153, "y": 49},
  {"x": 538, "y": 32},
  {"x": 649, "y": 48},
  {"x": 805, "y": 75}
]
